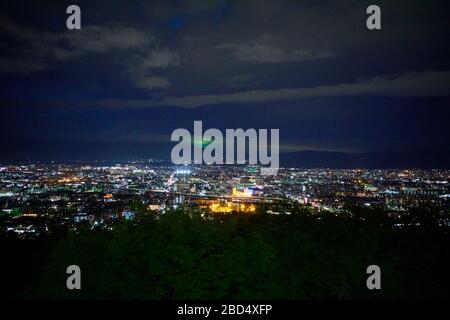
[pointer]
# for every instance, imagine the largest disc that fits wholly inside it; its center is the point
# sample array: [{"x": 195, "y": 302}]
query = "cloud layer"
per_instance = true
[{"x": 427, "y": 84}]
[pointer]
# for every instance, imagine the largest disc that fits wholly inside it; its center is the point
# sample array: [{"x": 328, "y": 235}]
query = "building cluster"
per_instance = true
[{"x": 35, "y": 198}]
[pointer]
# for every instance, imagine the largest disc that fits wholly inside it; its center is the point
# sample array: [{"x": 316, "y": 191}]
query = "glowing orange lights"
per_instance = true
[
  {"x": 228, "y": 207},
  {"x": 69, "y": 180},
  {"x": 244, "y": 193}
]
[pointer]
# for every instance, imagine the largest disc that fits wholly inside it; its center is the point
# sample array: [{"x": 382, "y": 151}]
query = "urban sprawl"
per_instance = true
[{"x": 34, "y": 198}]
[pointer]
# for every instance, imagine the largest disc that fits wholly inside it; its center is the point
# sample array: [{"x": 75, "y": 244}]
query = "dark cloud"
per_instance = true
[
  {"x": 270, "y": 48},
  {"x": 427, "y": 84},
  {"x": 136, "y": 70},
  {"x": 36, "y": 44},
  {"x": 261, "y": 53},
  {"x": 143, "y": 68}
]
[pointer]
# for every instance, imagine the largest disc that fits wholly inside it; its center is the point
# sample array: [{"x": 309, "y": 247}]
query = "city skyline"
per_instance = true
[{"x": 224, "y": 157}]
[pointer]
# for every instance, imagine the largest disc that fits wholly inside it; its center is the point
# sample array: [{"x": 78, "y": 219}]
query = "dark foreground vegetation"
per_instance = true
[{"x": 183, "y": 256}]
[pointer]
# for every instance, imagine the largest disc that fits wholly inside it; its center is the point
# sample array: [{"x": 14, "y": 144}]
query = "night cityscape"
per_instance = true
[
  {"x": 34, "y": 198},
  {"x": 222, "y": 152}
]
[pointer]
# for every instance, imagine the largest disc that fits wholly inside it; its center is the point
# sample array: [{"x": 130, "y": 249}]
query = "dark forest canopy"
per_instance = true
[{"x": 299, "y": 256}]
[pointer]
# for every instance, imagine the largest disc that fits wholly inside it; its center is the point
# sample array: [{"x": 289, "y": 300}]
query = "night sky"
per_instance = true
[{"x": 137, "y": 70}]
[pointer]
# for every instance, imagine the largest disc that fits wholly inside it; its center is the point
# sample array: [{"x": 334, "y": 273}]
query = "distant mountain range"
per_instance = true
[
  {"x": 45, "y": 151},
  {"x": 424, "y": 159}
]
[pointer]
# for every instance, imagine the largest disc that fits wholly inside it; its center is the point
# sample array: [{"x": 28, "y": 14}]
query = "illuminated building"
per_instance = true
[
  {"x": 228, "y": 207},
  {"x": 244, "y": 193}
]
